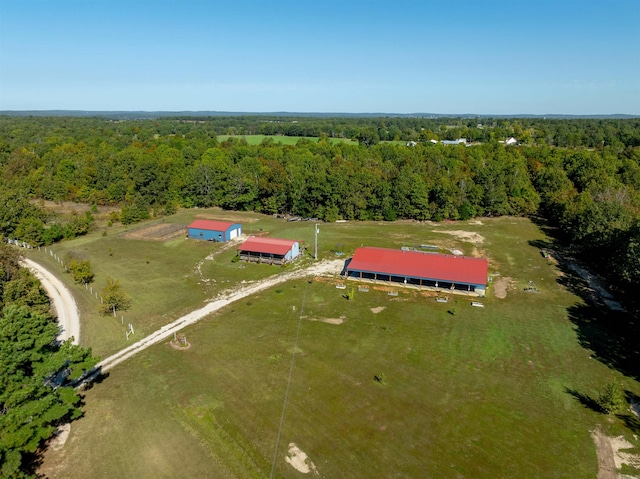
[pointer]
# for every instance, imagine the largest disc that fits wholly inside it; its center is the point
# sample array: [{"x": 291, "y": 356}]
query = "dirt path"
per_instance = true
[
  {"x": 69, "y": 318},
  {"x": 606, "y": 461},
  {"x": 598, "y": 288},
  {"x": 224, "y": 299},
  {"x": 63, "y": 301}
]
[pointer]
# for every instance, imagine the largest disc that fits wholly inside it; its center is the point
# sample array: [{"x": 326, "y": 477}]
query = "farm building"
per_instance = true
[
  {"x": 454, "y": 142},
  {"x": 269, "y": 250},
  {"x": 221, "y": 231},
  {"x": 418, "y": 269}
]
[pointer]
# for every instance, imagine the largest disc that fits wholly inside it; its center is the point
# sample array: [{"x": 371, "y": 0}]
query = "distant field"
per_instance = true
[
  {"x": 381, "y": 387},
  {"x": 285, "y": 140}
]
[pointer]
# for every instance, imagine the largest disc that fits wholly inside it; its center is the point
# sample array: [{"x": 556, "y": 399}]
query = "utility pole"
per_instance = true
[{"x": 316, "y": 255}]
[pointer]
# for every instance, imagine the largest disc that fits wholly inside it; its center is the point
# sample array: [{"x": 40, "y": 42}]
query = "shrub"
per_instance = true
[
  {"x": 81, "y": 271},
  {"x": 612, "y": 399}
]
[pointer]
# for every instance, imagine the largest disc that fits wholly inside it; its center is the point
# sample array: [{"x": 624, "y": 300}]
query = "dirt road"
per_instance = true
[
  {"x": 63, "y": 302},
  {"x": 69, "y": 319},
  {"x": 224, "y": 299},
  {"x": 606, "y": 462}
]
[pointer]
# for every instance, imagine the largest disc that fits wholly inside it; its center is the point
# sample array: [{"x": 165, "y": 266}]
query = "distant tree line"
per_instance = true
[
  {"x": 582, "y": 175},
  {"x": 579, "y": 132}
]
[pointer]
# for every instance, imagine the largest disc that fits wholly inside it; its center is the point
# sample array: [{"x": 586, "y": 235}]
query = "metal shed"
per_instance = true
[
  {"x": 419, "y": 269},
  {"x": 269, "y": 250},
  {"x": 209, "y": 230}
]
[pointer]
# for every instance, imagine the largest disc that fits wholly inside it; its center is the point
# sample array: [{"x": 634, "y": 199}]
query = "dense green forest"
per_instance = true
[
  {"x": 34, "y": 369},
  {"x": 581, "y": 175}
]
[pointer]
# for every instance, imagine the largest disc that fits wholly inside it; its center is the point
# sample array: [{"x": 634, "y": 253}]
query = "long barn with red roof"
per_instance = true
[{"x": 419, "y": 269}]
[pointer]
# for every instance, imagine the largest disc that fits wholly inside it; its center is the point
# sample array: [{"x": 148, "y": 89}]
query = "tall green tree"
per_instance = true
[
  {"x": 81, "y": 270},
  {"x": 114, "y": 296},
  {"x": 34, "y": 397},
  {"x": 35, "y": 370}
]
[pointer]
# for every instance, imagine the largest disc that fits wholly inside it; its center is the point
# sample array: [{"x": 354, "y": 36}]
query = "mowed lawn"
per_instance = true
[
  {"x": 400, "y": 388},
  {"x": 166, "y": 279}
]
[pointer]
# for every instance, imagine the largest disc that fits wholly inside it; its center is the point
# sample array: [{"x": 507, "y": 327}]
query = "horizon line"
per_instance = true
[{"x": 305, "y": 113}]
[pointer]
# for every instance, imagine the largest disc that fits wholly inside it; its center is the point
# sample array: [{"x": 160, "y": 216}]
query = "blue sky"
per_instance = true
[{"x": 393, "y": 56}]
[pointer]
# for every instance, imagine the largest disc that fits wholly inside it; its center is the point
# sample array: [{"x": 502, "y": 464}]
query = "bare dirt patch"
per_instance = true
[
  {"x": 501, "y": 286},
  {"x": 428, "y": 294},
  {"x": 226, "y": 217},
  {"x": 597, "y": 286},
  {"x": 162, "y": 232},
  {"x": 378, "y": 309},
  {"x": 606, "y": 463},
  {"x": 610, "y": 455},
  {"x": 618, "y": 444},
  {"x": 551, "y": 259},
  {"x": 339, "y": 320},
  {"x": 299, "y": 460},
  {"x": 180, "y": 343},
  {"x": 60, "y": 437},
  {"x": 467, "y": 236}
]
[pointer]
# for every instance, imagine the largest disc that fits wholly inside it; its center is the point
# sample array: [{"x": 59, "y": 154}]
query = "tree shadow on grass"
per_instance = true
[
  {"x": 89, "y": 379},
  {"x": 586, "y": 401},
  {"x": 32, "y": 462},
  {"x": 611, "y": 334},
  {"x": 630, "y": 419},
  {"x": 552, "y": 232},
  {"x": 543, "y": 245}
]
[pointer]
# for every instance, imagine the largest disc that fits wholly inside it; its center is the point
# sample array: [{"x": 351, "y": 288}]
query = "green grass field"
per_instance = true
[{"x": 401, "y": 388}]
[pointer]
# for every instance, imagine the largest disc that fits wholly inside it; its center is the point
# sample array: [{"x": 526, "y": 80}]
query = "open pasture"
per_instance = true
[
  {"x": 381, "y": 386},
  {"x": 166, "y": 279}
]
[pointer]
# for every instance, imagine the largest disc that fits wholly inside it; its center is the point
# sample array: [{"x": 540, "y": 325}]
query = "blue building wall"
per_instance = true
[
  {"x": 293, "y": 252},
  {"x": 216, "y": 235}
]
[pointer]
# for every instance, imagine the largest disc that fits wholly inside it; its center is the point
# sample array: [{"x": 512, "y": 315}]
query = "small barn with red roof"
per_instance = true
[
  {"x": 419, "y": 269},
  {"x": 209, "y": 230},
  {"x": 269, "y": 250}
]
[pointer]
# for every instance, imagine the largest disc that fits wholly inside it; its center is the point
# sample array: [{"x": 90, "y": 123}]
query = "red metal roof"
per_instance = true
[
  {"x": 267, "y": 245},
  {"x": 211, "y": 225},
  {"x": 414, "y": 264}
]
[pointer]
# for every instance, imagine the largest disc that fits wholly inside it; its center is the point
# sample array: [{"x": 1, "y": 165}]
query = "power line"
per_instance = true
[{"x": 286, "y": 393}]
